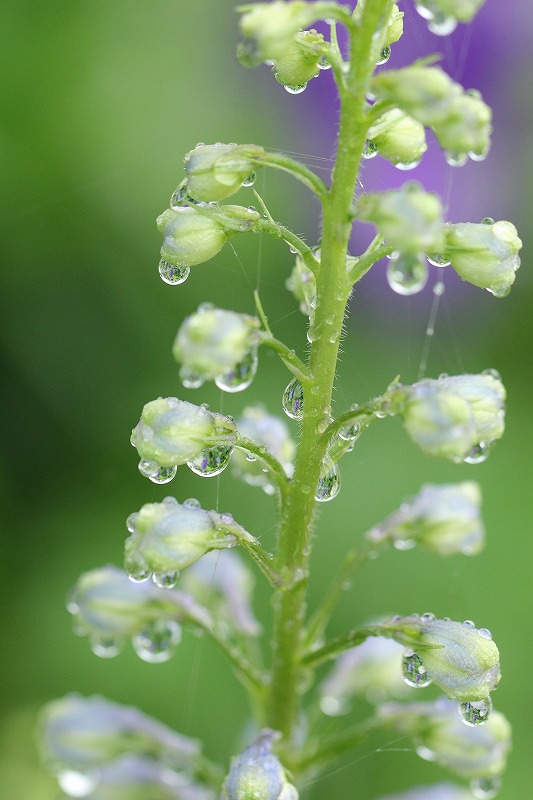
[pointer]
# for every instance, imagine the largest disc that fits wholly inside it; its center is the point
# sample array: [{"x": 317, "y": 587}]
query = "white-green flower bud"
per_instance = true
[
  {"x": 399, "y": 138},
  {"x": 455, "y": 417},
  {"x": 461, "y": 10},
  {"x": 267, "y": 431},
  {"x": 213, "y": 342},
  {"x": 190, "y": 237},
  {"x": 408, "y": 218},
  {"x": 444, "y": 519},
  {"x": 172, "y": 432},
  {"x": 257, "y": 774},
  {"x": 269, "y": 29},
  {"x": 485, "y": 254},
  {"x": 467, "y": 126},
  {"x": 437, "y": 791},
  {"x": 78, "y": 732},
  {"x": 217, "y": 171},
  {"x": 167, "y": 537},
  {"x": 460, "y": 659},
  {"x": 299, "y": 62}
]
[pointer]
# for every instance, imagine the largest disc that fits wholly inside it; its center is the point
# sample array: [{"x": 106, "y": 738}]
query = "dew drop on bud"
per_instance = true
[
  {"x": 172, "y": 273},
  {"x": 478, "y": 454},
  {"x": 475, "y": 712},
  {"x": 192, "y": 502},
  {"x": 407, "y": 274},
  {"x": 191, "y": 379},
  {"x": 454, "y": 158},
  {"x": 137, "y": 573},
  {"x": 293, "y": 399},
  {"x": 105, "y": 646},
  {"x": 437, "y": 260},
  {"x": 324, "y": 63},
  {"x": 298, "y": 89},
  {"x": 370, "y": 149},
  {"x": 157, "y": 641},
  {"x": 211, "y": 461},
  {"x": 485, "y": 788},
  {"x": 441, "y": 25},
  {"x": 485, "y": 633},
  {"x": 179, "y": 198},
  {"x": 241, "y": 376},
  {"x": 250, "y": 180},
  {"x": 75, "y": 783},
  {"x": 383, "y": 56},
  {"x": 165, "y": 580},
  {"x": 350, "y": 432},
  {"x": 413, "y": 671},
  {"x": 328, "y": 485}
]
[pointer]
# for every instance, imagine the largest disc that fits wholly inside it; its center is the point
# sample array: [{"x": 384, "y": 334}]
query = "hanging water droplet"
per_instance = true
[
  {"x": 454, "y": 158},
  {"x": 165, "y": 580},
  {"x": 479, "y": 453},
  {"x": 154, "y": 472},
  {"x": 250, "y": 457},
  {"x": 76, "y": 783},
  {"x": 137, "y": 573},
  {"x": 407, "y": 274},
  {"x": 350, "y": 432},
  {"x": 191, "y": 379},
  {"x": 370, "y": 149},
  {"x": 438, "y": 289},
  {"x": 293, "y": 399},
  {"x": 298, "y": 89},
  {"x": 438, "y": 260},
  {"x": 179, "y": 198},
  {"x": 413, "y": 671},
  {"x": 157, "y": 641},
  {"x": 241, "y": 376},
  {"x": 383, "y": 56},
  {"x": 172, "y": 273},
  {"x": 485, "y": 788},
  {"x": 250, "y": 180},
  {"x": 405, "y": 166},
  {"x": 329, "y": 484},
  {"x": 478, "y": 156},
  {"x": 441, "y": 25},
  {"x": 425, "y": 753},
  {"x": 211, "y": 461},
  {"x": 130, "y": 522},
  {"x": 324, "y": 63},
  {"x": 105, "y": 646},
  {"x": 475, "y": 712}
]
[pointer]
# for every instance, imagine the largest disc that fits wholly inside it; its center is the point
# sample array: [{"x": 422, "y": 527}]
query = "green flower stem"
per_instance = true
[
  {"x": 280, "y": 232},
  {"x": 264, "y": 562},
  {"x": 364, "y": 415},
  {"x": 345, "y": 642},
  {"x": 332, "y": 292},
  {"x": 274, "y": 467},
  {"x": 289, "y": 358},
  {"x": 376, "y": 251},
  {"x": 298, "y": 171}
]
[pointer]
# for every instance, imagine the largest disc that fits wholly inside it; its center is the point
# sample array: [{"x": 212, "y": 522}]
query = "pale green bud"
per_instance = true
[
  {"x": 190, "y": 237},
  {"x": 460, "y": 659},
  {"x": 409, "y": 219},
  {"x": 78, "y": 732},
  {"x": 269, "y": 29},
  {"x": 461, "y": 10},
  {"x": 399, "y": 138},
  {"x": 444, "y": 519},
  {"x": 217, "y": 171},
  {"x": 299, "y": 62},
  {"x": 467, "y": 126},
  {"x": 167, "y": 537},
  {"x": 437, "y": 791},
  {"x": 485, "y": 254},
  {"x": 267, "y": 431},
  {"x": 213, "y": 342},
  {"x": 257, "y": 774},
  {"x": 172, "y": 431}
]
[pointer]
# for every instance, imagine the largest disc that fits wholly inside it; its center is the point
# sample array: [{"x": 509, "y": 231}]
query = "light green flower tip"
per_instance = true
[
  {"x": 398, "y": 137},
  {"x": 268, "y": 29},
  {"x": 265, "y": 430},
  {"x": 394, "y": 29},
  {"x": 460, "y": 659},
  {"x": 257, "y": 774},
  {"x": 444, "y": 519},
  {"x": 408, "y": 218},
  {"x": 217, "y": 171},
  {"x": 485, "y": 254},
  {"x": 299, "y": 63},
  {"x": 189, "y": 237},
  {"x": 172, "y": 432},
  {"x": 213, "y": 342}
]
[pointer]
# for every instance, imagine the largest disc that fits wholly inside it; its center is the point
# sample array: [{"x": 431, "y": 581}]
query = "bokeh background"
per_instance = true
[{"x": 100, "y": 100}]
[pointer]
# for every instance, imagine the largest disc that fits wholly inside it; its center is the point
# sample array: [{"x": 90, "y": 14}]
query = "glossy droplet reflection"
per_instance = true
[
  {"x": 157, "y": 641},
  {"x": 241, "y": 376},
  {"x": 383, "y": 56},
  {"x": 485, "y": 788},
  {"x": 298, "y": 89},
  {"x": 350, "y": 433},
  {"x": 154, "y": 472},
  {"x": 293, "y": 399},
  {"x": 407, "y": 274},
  {"x": 105, "y": 646},
  {"x": 75, "y": 783},
  {"x": 475, "y": 712},
  {"x": 250, "y": 180},
  {"x": 414, "y": 672},
  {"x": 165, "y": 580},
  {"x": 329, "y": 484},
  {"x": 479, "y": 453},
  {"x": 370, "y": 149},
  {"x": 211, "y": 461},
  {"x": 172, "y": 274},
  {"x": 191, "y": 379}
]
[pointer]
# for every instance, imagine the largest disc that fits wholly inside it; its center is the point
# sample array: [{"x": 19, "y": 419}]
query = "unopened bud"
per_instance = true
[
  {"x": 257, "y": 773},
  {"x": 398, "y": 137},
  {"x": 217, "y": 171},
  {"x": 269, "y": 29},
  {"x": 299, "y": 62},
  {"x": 485, "y": 254},
  {"x": 189, "y": 237}
]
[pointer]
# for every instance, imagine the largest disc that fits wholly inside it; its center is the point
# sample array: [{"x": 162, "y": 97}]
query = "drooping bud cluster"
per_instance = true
[
  {"x": 258, "y": 773},
  {"x": 267, "y": 431},
  {"x": 444, "y": 519}
]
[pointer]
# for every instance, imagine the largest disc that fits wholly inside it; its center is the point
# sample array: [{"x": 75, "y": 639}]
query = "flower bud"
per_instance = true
[
  {"x": 302, "y": 283},
  {"x": 217, "y": 171},
  {"x": 455, "y": 417},
  {"x": 409, "y": 219},
  {"x": 189, "y": 237},
  {"x": 267, "y": 431},
  {"x": 167, "y": 537},
  {"x": 269, "y": 29},
  {"x": 299, "y": 62},
  {"x": 438, "y": 791},
  {"x": 213, "y": 342},
  {"x": 257, "y": 774},
  {"x": 78, "y": 732},
  {"x": 461, "y": 10},
  {"x": 466, "y": 128},
  {"x": 395, "y": 27},
  {"x": 172, "y": 432},
  {"x": 444, "y": 519},
  {"x": 485, "y": 254},
  {"x": 460, "y": 659},
  {"x": 398, "y": 137}
]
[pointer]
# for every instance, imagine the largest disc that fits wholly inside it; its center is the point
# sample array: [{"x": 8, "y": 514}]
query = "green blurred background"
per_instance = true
[{"x": 100, "y": 101}]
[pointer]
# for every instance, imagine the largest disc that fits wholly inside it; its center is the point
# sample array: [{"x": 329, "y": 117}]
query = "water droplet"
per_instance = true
[
  {"x": 241, "y": 376},
  {"x": 405, "y": 166},
  {"x": 165, "y": 580},
  {"x": 407, "y": 274},
  {"x": 191, "y": 379},
  {"x": 137, "y": 573},
  {"x": 478, "y": 156},
  {"x": 438, "y": 260},
  {"x": 154, "y": 472},
  {"x": 105, "y": 646},
  {"x": 157, "y": 641},
  {"x": 179, "y": 198},
  {"x": 479, "y": 453},
  {"x": 454, "y": 158},
  {"x": 485, "y": 633},
  {"x": 76, "y": 783},
  {"x": 172, "y": 273},
  {"x": 192, "y": 502},
  {"x": 427, "y": 616},
  {"x": 476, "y": 712},
  {"x": 306, "y": 488},
  {"x": 438, "y": 289},
  {"x": 493, "y": 373},
  {"x": 250, "y": 180},
  {"x": 487, "y": 221},
  {"x": 211, "y": 461},
  {"x": 350, "y": 432},
  {"x": 425, "y": 753},
  {"x": 383, "y": 56},
  {"x": 413, "y": 671},
  {"x": 298, "y": 89},
  {"x": 324, "y": 63},
  {"x": 485, "y": 788},
  {"x": 469, "y": 623},
  {"x": 333, "y": 706},
  {"x": 404, "y": 544},
  {"x": 130, "y": 522},
  {"x": 329, "y": 484},
  {"x": 370, "y": 149},
  {"x": 441, "y": 25},
  {"x": 293, "y": 399}
]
